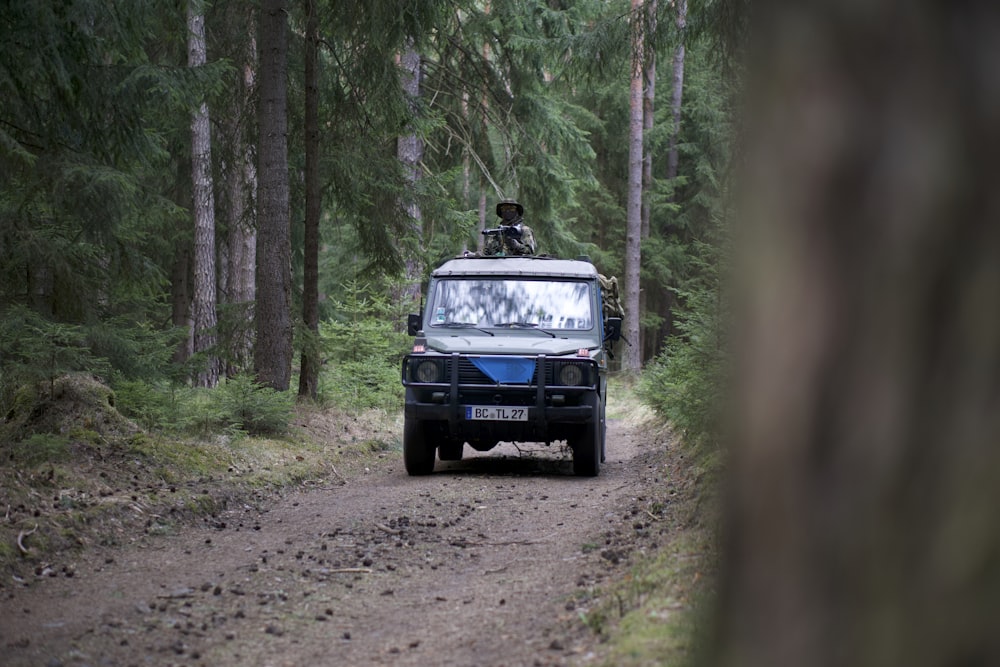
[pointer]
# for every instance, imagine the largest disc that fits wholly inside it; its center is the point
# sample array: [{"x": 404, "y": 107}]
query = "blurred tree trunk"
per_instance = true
[
  {"x": 310, "y": 363},
  {"x": 203, "y": 315},
  {"x": 633, "y": 351},
  {"x": 273, "y": 351},
  {"x": 862, "y": 521}
]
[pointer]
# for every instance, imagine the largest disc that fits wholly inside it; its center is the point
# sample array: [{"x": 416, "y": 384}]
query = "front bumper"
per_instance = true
[{"x": 551, "y": 406}]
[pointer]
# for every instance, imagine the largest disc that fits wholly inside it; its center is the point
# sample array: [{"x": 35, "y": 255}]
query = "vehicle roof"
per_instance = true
[{"x": 529, "y": 266}]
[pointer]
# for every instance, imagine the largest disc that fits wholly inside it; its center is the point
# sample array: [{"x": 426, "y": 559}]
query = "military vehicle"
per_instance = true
[{"x": 508, "y": 349}]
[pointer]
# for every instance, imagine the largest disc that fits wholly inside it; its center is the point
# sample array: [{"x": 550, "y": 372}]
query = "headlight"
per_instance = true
[
  {"x": 428, "y": 371},
  {"x": 570, "y": 375}
]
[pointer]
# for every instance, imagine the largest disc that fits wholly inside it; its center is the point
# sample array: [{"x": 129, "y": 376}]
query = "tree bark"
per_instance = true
[
  {"x": 241, "y": 177},
  {"x": 677, "y": 92},
  {"x": 862, "y": 520},
  {"x": 309, "y": 369},
  {"x": 204, "y": 321},
  {"x": 410, "y": 151},
  {"x": 648, "y": 118},
  {"x": 238, "y": 256},
  {"x": 646, "y": 340},
  {"x": 273, "y": 351},
  {"x": 633, "y": 351}
]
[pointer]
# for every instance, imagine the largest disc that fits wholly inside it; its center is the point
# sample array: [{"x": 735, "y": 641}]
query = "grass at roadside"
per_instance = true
[{"x": 657, "y": 613}]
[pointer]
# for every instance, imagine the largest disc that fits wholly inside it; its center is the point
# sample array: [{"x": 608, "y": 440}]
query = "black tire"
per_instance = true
[
  {"x": 604, "y": 435},
  {"x": 588, "y": 449},
  {"x": 418, "y": 454}
]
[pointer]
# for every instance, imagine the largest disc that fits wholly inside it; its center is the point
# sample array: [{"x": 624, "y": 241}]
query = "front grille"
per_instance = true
[{"x": 470, "y": 376}]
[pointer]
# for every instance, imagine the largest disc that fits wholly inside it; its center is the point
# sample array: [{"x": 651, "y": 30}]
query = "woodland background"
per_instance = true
[
  {"x": 202, "y": 190},
  {"x": 353, "y": 145}
]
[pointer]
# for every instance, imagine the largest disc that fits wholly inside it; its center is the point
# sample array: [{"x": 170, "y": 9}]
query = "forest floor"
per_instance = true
[{"x": 503, "y": 558}]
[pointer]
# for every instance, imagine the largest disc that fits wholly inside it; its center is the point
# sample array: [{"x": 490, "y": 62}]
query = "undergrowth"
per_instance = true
[{"x": 657, "y": 613}]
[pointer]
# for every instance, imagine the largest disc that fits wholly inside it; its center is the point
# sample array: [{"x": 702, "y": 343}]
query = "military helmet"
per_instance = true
[{"x": 509, "y": 202}]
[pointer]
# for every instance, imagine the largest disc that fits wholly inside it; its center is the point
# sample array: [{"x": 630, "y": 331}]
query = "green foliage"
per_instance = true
[
  {"x": 362, "y": 384},
  {"x": 238, "y": 405},
  {"x": 243, "y": 404},
  {"x": 34, "y": 349},
  {"x": 363, "y": 347},
  {"x": 154, "y": 405},
  {"x": 37, "y": 449},
  {"x": 686, "y": 382}
]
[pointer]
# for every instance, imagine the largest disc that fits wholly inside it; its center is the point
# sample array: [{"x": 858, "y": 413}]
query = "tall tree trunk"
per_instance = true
[
  {"x": 466, "y": 165},
  {"x": 309, "y": 370},
  {"x": 862, "y": 524},
  {"x": 633, "y": 237},
  {"x": 646, "y": 339},
  {"x": 241, "y": 177},
  {"x": 238, "y": 256},
  {"x": 273, "y": 351},
  {"x": 203, "y": 330},
  {"x": 482, "y": 215},
  {"x": 677, "y": 92},
  {"x": 410, "y": 151},
  {"x": 648, "y": 118}
]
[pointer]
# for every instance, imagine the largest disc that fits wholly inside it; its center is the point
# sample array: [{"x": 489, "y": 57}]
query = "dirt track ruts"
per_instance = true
[{"x": 493, "y": 560}]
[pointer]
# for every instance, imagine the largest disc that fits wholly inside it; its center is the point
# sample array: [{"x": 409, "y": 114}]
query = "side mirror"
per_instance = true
[
  {"x": 414, "y": 323},
  {"x": 612, "y": 328}
]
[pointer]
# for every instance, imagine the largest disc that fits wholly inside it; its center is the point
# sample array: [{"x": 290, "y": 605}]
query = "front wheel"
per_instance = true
[
  {"x": 588, "y": 450},
  {"x": 418, "y": 454}
]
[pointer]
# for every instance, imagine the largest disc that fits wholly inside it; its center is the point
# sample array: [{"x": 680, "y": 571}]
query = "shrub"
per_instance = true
[
  {"x": 362, "y": 384},
  {"x": 39, "y": 448},
  {"x": 686, "y": 382},
  {"x": 363, "y": 346},
  {"x": 242, "y": 403}
]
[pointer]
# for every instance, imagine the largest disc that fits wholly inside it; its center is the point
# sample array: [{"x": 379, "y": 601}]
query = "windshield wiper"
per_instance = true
[
  {"x": 524, "y": 325},
  {"x": 462, "y": 325}
]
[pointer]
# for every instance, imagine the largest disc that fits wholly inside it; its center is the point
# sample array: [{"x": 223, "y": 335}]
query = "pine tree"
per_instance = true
[
  {"x": 273, "y": 351},
  {"x": 310, "y": 363},
  {"x": 633, "y": 355},
  {"x": 203, "y": 316}
]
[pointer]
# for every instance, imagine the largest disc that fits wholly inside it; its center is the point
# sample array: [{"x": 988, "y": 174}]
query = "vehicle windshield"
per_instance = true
[{"x": 515, "y": 303}]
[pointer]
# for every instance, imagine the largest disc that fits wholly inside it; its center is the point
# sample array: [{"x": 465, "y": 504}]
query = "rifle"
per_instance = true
[{"x": 511, "y": 231}]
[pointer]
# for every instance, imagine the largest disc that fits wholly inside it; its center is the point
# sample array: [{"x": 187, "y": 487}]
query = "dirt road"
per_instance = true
[{"x": 493, "y": 560}]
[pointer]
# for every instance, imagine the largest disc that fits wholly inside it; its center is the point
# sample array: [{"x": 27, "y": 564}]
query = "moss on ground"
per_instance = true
[{"x": 74, "y": 472}]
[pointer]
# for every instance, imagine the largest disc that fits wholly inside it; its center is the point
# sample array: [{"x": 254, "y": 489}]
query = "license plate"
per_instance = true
[{"x": 496, "y": 413}]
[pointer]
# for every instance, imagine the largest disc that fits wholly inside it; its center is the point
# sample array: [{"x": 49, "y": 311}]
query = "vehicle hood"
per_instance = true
[{"x": 527, "y": 343}]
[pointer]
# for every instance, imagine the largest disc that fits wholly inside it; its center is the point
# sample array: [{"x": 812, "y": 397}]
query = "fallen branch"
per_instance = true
[
  {"x": 20, "y": 538},
  {"x": 349, "y": 570}
]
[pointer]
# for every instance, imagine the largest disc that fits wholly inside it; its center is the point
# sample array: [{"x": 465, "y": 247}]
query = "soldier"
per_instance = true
[{"x": 512, "y": 237}]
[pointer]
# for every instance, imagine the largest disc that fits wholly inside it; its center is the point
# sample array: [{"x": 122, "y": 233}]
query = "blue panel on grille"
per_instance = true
[{"x": 506, "y": 370}]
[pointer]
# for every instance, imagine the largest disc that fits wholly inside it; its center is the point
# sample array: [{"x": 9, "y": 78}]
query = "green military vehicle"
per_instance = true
[{"x": 511, "y": 349}]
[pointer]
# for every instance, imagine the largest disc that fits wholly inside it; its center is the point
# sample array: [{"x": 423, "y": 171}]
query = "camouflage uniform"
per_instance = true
[
  {"x": 517, "y": 238},
  {"x": 612, "y": 303}
]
